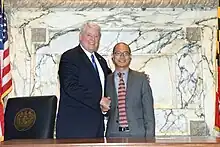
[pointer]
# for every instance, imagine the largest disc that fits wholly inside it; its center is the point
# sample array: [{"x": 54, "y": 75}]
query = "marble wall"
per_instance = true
[{"x": 176, "y": 47}]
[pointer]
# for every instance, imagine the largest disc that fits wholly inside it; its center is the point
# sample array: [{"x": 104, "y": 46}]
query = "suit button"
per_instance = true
[{"x": 116, "y": 121}]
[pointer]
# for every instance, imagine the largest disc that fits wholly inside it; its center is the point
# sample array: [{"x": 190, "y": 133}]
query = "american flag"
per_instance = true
[{"x": 5, "y": 69}]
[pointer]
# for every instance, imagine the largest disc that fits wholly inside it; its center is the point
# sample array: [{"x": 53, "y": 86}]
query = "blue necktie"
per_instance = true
[{"x": 94, "y": 64}]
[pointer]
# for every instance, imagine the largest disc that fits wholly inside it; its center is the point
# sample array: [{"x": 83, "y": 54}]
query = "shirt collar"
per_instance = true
[
  {"x": 125, "y": 72},
  {"x": 87, "y": 52}
]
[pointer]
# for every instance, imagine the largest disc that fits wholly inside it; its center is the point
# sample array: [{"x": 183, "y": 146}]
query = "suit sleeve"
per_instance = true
[
  {"x": 69, "y": 80},
  {"x": 148, "y": 109},
  {"x": 109, "y": 71}
]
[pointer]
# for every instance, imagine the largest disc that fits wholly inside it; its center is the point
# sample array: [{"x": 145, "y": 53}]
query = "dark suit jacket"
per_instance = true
[
  {"x": 139, "y": 107},
  {"x": 79, "y": 113}
]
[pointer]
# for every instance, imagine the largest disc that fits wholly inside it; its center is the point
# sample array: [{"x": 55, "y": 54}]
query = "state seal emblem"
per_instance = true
[{"x": 24, "y": 119}]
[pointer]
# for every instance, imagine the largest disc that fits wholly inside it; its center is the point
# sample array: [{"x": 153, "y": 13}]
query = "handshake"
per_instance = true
[{"x": 105, "y": 104}]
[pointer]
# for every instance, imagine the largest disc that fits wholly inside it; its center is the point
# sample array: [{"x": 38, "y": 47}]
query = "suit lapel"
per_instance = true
[
  {"x": 115, "y": 98},
  {"x": 129, "y": 84},
  {"x": 102, "y": 63},
  {"x": 89, "y": 64}
]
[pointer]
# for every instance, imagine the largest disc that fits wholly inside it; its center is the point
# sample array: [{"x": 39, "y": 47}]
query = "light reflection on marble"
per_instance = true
[{"x": 182, "y": 72}]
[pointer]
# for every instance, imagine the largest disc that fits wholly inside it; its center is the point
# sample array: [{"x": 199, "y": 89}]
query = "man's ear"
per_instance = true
[
  {"x": 80, "y": 36},
  {"x": 112, "y": 57}
]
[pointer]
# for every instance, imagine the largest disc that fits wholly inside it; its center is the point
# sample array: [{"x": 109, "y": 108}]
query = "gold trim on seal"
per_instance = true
[{"x": 25, "y": 119}]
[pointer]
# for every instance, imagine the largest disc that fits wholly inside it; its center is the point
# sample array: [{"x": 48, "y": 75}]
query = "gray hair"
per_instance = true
[{"x": 88, "y": 25}]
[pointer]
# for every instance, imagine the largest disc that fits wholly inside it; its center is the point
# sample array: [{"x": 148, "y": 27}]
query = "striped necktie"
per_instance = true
[{"x": 121, "y": 102}]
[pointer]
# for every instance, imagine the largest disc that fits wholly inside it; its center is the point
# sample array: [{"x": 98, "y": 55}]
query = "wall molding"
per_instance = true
[{"x": 110, "y": 3}]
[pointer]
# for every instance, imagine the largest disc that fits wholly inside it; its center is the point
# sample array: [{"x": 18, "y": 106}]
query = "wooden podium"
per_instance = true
[{"x": 104, "y": 142}]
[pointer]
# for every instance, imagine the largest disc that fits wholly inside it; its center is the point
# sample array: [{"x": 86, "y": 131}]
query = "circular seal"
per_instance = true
[{"x": 24, "y": 119}]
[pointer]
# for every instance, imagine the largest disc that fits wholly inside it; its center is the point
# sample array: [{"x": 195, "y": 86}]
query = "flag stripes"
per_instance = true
[
  {"x": 5, "y": 68},
  {"x": 217, "y": 101}
]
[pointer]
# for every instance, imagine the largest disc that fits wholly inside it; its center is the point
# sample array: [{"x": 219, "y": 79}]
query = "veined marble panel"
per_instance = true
[
  {"x": 177, "y": 121},
  {"x": 21, "y": 59},
  {"x": 181, "y": 65},
  {"x": 47, "y": 65},
  {"x": 174, "y": 72},
  {"x": 109, "y": 19}
]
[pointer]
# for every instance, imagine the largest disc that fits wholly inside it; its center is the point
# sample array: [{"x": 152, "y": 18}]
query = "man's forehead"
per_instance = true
[
  {"x": 123, "y": 47},
  {"x": 93, "y": 31}
]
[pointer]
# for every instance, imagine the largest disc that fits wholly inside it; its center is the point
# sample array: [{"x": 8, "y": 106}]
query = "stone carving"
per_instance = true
[{"x": 110, "y": 3}]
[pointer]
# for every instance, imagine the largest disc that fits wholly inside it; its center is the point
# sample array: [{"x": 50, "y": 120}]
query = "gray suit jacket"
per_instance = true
[{"x": 139, "y": 106}]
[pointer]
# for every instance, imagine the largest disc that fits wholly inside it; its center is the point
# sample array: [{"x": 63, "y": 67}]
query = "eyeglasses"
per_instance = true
[{"x": 125, "y": 54}]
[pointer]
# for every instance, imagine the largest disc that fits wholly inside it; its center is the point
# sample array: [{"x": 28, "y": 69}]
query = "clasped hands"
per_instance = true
[{"x": 105, "y": 104}]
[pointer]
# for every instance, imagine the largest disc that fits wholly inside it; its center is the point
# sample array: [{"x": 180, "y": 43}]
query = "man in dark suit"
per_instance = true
[
  {"x": 131, "y": 111},
  {"x": 82, "y": 73}
]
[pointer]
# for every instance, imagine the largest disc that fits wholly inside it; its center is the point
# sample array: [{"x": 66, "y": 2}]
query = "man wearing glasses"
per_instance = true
[{"x": 131, "y": 112}]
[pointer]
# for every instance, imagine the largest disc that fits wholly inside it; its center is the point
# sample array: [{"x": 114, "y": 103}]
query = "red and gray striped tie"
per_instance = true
[{"x": 121, "y": 102}]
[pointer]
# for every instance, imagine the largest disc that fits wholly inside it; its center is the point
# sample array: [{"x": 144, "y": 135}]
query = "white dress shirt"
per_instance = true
[{"x": 101, "y": 73}]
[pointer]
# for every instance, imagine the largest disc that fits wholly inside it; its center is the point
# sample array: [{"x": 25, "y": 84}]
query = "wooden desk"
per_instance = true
[{"x": 158, "y": 142}]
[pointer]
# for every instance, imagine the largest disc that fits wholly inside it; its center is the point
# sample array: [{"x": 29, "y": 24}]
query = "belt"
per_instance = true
[{"x": 123, "y": 129}]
